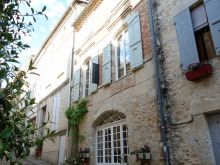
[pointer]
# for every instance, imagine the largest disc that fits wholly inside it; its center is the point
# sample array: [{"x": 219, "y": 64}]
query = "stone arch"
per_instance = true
[{"x": 109, "y": 117}]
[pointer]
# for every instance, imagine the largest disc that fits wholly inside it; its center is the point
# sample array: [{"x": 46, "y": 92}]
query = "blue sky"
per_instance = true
[{"x": 43, "y": 27}]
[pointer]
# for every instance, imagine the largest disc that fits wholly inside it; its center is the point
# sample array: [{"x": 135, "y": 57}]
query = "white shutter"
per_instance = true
[
  {"x": 107, "y": 65},
  {"x": 135, "y": 44},
  {"x": 213, "y": 14},
  {"x": 93, "y": 86},
  {"x": 76, "y": 84},
  {"x": 186, "y": 39},
  {"x": 54, "y": 114},
  {"x": 57, "y": 111}
]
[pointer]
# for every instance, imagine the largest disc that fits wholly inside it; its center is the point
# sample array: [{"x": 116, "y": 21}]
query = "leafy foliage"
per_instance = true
[
  {"x": 16, "y": 136},
  {"x": 75, "y": 114}
]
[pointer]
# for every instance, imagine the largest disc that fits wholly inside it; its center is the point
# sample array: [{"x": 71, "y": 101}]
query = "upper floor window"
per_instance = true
[
  {"x": 128, "y": 57},
  {"x": 198, "y": 33},
  {"x": 87, "y": 78},
  {"x": 123, "y": 55},
  {"x": 202, "y": 33}
]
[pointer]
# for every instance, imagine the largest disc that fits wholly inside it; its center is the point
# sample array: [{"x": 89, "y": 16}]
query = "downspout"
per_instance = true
[
  {"x": 73, "y": 148},
  {"x": 159, "y": 78},
  {"x": 69, "y": 148}
]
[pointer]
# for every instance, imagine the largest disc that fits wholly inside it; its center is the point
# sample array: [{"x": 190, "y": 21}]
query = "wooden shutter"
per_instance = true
[
  {"x": 76, "y": 84},
  {"x": 57, "y": 111},
  {"x": 107, "y": 64},
  {"x": 94, "y": 74},
  {"x": 213, "y": 14},
  {"x": 186, "y": 39},
  {"x": 135, "y": 44},
  {"x": 199, "y": 18}
]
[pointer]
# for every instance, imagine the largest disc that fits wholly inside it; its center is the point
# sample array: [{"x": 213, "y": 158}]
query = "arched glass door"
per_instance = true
[{"x": 112, "y": 141}]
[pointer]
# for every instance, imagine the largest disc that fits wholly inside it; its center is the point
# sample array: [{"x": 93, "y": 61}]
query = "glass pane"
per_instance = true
[
  {"x": 121, "y": 58},
  {"x": 125, "y": 159},
  {"x": 127, "y": 52},
  {"x": 112, "y": 150},
  {"x": 125, "y": 143},
  {"x": 114, "y": 130},
  {"x": 100, "y": 146},
  {"x": 124, "y": 127},
  {"x": 118, "y": 128}
]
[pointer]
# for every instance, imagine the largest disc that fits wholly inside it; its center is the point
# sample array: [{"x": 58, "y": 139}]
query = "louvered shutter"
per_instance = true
[
  {"x": 135, "y": 44},
  {"x": 54, "y": 114},
  {"x": 213, "y": 14},
  {"x": 94, "y": 74},
  {"x": 107, "y": 64},
  {"x": 186, "y": 39},
  {"x": 76, "y": 84},
  {"x": 57, "y": 111}
]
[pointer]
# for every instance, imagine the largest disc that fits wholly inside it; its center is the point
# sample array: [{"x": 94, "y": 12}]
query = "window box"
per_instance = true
[{"x": 199, "y": 72}]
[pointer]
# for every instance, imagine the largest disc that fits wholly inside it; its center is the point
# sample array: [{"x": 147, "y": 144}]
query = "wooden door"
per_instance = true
[
  {"x": 62, "y": 149},
  {"x": 214, "y": 127}
]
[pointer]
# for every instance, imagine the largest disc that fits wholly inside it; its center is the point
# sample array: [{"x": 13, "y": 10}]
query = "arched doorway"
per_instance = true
[{"x": 111, "y": 139}]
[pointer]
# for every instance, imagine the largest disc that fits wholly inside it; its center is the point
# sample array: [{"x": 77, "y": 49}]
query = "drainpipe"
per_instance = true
[
  {"x": 71, "y": 71},
  {"x": 72, "y": 149},
  {"x": 159, "y": 78}
]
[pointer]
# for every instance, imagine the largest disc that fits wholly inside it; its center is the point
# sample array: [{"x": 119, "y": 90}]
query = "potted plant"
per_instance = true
[
  {"x": 197, "y": 70},
  {"x": 38, "y": 149}
]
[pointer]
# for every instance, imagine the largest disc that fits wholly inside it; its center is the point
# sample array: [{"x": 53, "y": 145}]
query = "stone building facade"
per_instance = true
[
  {"x": 114, "y": 59},
  {"x": 51, "y": 87},
  {"x": 114, "y": 70},
  {"x": 194, "y": 108}
]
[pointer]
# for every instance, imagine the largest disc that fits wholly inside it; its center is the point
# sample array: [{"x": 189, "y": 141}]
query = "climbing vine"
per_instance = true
[{"x": 75, "y": 115}]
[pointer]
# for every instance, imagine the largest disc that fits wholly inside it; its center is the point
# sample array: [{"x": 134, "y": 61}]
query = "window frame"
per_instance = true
[
  {"x": 110, "y": 126},
  {"x": 185, "y": 31},
  {"x": 199, "y": 31},
  {"x": 122, "y": 35}
]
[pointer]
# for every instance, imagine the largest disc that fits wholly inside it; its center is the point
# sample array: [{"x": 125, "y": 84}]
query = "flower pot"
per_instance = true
[
  {"x": 38, "y": 152},
  {"x": 201, "y": 71}
]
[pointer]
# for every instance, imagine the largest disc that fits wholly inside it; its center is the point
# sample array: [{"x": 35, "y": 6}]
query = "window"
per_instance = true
[
  {"x": 128, "y": 52},
  {"x": 198, "y": 32},
  {"x": 87, "y": 78},
  {"x": 202, "y": 33},
  {"x": 123, "y": 55},
  {"x": 112, "y": 141}
]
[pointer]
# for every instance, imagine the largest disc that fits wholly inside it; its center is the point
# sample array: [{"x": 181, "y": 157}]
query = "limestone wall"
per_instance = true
[
  {"x": 191, "y": 101},
  {"x": 134, "y": 95},
  {"x": 51, "y": 149}
]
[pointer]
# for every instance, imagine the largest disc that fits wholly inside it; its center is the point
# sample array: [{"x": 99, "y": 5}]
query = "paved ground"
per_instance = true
[{"x": 30, "y": 161}]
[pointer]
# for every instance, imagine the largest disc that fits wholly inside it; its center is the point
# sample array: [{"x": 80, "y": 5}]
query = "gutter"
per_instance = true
[{"x": 159, "y": 79}]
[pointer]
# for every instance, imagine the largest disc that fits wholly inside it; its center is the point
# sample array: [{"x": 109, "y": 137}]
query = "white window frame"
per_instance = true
[
  {"x": 122, "y": 34},
  {"x": 103, "y": 128}
]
